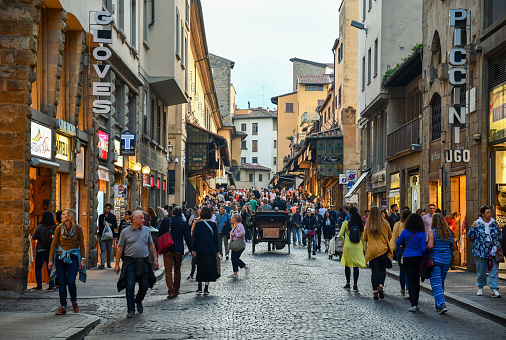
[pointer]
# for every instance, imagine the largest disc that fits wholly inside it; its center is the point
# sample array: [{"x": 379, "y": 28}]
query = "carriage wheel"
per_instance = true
[{"x": 253, "y": 241}]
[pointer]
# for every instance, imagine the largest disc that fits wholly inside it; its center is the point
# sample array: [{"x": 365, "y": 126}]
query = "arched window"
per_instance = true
[
  {"x": 436, "y": 51},
  {"x": 435, "y": 126}
]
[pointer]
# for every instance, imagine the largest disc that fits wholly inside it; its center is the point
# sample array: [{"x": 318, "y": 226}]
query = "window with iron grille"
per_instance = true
[{"x": 436, "y": 118}]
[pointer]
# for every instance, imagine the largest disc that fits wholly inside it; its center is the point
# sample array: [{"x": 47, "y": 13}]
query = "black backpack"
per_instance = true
[
  {"x": 354, "y": 234},
  {"x": 46, "y": 239}
]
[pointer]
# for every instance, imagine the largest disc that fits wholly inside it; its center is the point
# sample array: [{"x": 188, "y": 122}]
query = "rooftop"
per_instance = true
[
  {"x": 312, "y": 62},
  {"x": 256, "y": 113},
  {"x": 248, "y": 166},
  {"x": 317, "y": 79}
]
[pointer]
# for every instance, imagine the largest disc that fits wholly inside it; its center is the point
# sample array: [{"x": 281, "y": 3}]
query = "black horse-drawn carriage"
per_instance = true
[{"x": 272, "y": 227}]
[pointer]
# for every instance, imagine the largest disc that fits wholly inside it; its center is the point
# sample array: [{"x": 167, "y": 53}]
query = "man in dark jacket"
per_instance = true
[
  {"x": 394, "y": 215},
  {"x": 296, "y": 224},
  {"x": 106, "y": 245},
  {"x": 173, "y": 258},
  {"x": 278, "y": 203},
  {"x": 309, "y": 222}
]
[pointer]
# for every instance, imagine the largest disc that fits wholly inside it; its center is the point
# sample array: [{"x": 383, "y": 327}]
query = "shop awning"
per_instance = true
[
  {"x": 394, "y": 193},
  {"x": 357, "y": 185},
  {"x": 231, "y": 179},
  {"x": 37, "y": 162}
]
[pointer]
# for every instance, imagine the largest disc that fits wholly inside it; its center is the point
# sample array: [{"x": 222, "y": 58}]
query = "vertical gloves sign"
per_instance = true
[{"x": 102, "y": 53}]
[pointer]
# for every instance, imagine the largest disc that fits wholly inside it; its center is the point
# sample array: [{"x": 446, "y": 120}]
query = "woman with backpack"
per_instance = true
[
  {"x": 351, "y": 233},
  {"x": 377, "y": 235},
  {"x": 440, "y": 245},
  {"x": 44, "y": 236},
  {"x": 413, "y": 241}
]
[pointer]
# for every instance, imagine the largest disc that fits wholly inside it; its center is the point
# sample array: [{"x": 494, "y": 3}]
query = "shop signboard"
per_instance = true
[
  {"x": 164, "y": 185},
  {"x": 103, "y": 175},
  {"x": 158, "y": 183},
  {"x": 152, "y": 181},
  {"x": 120, "y": 191},
  {"x": 65, "y": 128},
  {"x": 127, "y": 144},
  {"x": 329, "y": 155},
  {"x": 41, "y": 141},
  {"x": 497, "y": 113},
  {"x": 145, "y": 180},
  {"x": 80, "y": 164},
  {"x": 119, "y": 159},
  {"x": 103, "y": 144},
  {"x": 62, "y": 147}
]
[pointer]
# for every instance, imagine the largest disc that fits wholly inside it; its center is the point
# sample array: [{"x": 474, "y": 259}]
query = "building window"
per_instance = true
[
  {"x": 260, "y": 178},
  {"x": 243, "y": 127},
  {"x": 339, "y": 96},
  {"x": 243, "y": 145},
  {"x": 369, "y": 66},
  {"x": 145, "y": 114},
  {"x": 182, "y": 42},
  {"x": 363, "y": 73},
  {"x": 121, "y": 14},
  {"x": 178, "y": 51},
  {"x": 133, "y": 24},
  {"x": 238, "y": 177},
  {"x": 254, "y": 145},
  {"x": 254, "y": 160},
  {"x": 146, "y": 20},
  {"x": 289, "y": 107},
  {"x": 274, "y": 161},
  {"x": 255, "y": 128},
  {"x": 494, "y": 10},
  {"x": 436, "y": 118},
  {"x": 172, "y": 182},
  {"x": 187, "y": 13},
  {"x": 152, "y": 130},
  {"x": 107, "y": 5},
  {"x": 274, "y": 125},
  {"x": 243, "y": 160},
  {"x": 164, "y": 129},
  {"x": 314, "y": 87},
  {"x": 340, "y": 54},
  {"x": 275, "y": 144},
  {"x": 251, "y": 177},
  {"x": 158, "y": 123},
  {"x": 376, "y": 58},
  {"x": 370, "y": 4},
  {"x": 364, "y": 9},
  {"x": 320, "y": 102}
]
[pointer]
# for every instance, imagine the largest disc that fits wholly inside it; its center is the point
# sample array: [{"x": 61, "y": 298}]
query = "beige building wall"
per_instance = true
[
  {"x": 287, "y": 123},
  {"x": 307, "y": 102}
]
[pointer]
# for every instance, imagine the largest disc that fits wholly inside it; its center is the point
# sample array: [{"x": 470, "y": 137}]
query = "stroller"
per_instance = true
[{"x": 336, "y": 246}]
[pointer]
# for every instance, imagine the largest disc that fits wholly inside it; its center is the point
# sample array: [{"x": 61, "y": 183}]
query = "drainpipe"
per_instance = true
[{"x": 152, "y": 14}]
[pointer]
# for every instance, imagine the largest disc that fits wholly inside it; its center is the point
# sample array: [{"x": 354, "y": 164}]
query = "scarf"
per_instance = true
[{"x": 67, "y": 234}]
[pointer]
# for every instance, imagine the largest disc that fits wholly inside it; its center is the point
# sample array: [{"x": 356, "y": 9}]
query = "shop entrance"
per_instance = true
[
  {"x": 458, "y": 212},
  {"x": 434, "y": 194}
]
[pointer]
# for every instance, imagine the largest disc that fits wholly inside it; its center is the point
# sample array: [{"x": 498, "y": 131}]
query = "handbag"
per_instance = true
[
  {"x": 165, "y": 242},
  {"x": 499, "y": 255},
  {"x": 106, "y": 233},
  {"x": 237, "y": 245},
  {"x": 405, "y": 246}
]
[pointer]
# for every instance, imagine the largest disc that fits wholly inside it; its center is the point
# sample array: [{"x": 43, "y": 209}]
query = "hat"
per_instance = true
[{"x": 332, "y": 205}]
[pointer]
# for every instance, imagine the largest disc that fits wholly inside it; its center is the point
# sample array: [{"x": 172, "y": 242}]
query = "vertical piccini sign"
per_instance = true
[
  {"x": 102, "y": 53},
  {"x": 458, "y": 77}
]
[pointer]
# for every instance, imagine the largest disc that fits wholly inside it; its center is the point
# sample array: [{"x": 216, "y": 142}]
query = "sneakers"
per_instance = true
[
  {"x": 403, "y": 292},
  {"x": 140, "y": 307},
  {"x": 199, "y": 289},
  {"x": 442, "y": 309},
  {"x": 75, "y": 306},
  {"x": 61, "y": 311},
  {"x": 206, "y": 290},
  {"x": 495, "y": 294},
  {"x": 190, "y": 278},
  {"x": 479, "y": 292},
  {"x": 347, "y": 286},
  {"x": 380, "y": 292},
  {"x": 233, "y": 276},
  {"x": 101, "y": 266},
  {"x": 413, "y": 309},
  {"x": 50, "y": 289},
  {"x": 248, "y": 270},
  {"x": 130, "y": 315},
  {"x": 355, "y": 288}
]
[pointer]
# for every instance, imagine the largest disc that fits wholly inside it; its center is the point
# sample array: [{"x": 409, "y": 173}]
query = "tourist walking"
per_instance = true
[
  {"x": 377, "y": 235},
  {"x": 309, "y": 222},
  {"x": 174, "y": 257},
  {"x": 237, "y": 237},
  {"x": 352, "y": 234},
  {"x": 68, "y": 245},
  {"x": 487, "y": 239},
  {"x": 398, "y": 228},
  {"x": 413, "y": 240},
  {"x": 440, "y": 246},
  {"x": 206, "y": 249},
  {"x": 296, "y": 225},
  {"x": 196, "y": 218},
  {"x": 44, "y": 236},
  {"x": 328, "y": 225},
  {"x": 134, "y": 246}
]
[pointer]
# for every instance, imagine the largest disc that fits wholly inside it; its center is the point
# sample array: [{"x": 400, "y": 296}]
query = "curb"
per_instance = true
[
  {"x": 79, "y": 330},
  {"x": 463, "y": 303}
]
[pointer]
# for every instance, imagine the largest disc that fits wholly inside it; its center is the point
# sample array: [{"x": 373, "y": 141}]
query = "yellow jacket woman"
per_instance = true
[{"x": 353, "y": 253}]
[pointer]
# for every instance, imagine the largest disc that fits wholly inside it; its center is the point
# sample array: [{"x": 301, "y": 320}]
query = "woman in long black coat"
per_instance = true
[
  {"x": 328, "y": 224},
  {"x": 206, "y": 249}
]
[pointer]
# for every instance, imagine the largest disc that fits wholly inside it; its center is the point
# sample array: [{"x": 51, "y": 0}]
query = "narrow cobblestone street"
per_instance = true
[{"x": 286, "y": 296}]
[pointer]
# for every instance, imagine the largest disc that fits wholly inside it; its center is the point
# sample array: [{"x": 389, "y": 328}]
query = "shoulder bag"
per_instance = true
[
  {"x": 165, "y": 242},
  {"x": 238, "y": 244},
  {"x": 405, "y": 246},
  {"x": 389, "y": 262}
]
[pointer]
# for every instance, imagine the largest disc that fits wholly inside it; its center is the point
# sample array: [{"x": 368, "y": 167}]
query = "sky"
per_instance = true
[{"x": 261, "y": 36}]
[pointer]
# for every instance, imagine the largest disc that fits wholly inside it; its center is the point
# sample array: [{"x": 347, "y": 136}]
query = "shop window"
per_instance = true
[
  {"x": 254, "y": 145},
  {"x": 436, "y": 117},
  {"x": 251, "y": 177}
]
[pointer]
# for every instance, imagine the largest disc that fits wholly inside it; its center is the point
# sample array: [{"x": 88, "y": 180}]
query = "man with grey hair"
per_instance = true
[
  {"x": 135, "y": 244},
  {"x": 146, "y": 217}
]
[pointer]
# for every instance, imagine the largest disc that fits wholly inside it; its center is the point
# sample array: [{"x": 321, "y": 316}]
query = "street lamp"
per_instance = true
[
  {"x": 170, "y": 147},
  {"x": 137, "y": 167},
  {"x": 146, "y": 170},
  {"x": 359, "y": 25}
]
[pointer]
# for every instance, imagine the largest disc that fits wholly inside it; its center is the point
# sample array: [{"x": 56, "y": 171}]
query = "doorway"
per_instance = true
[{"x": 458, "y": 204}]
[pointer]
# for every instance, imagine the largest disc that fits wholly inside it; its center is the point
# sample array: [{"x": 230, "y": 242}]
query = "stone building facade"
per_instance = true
[{"x": 301, "y": 67}]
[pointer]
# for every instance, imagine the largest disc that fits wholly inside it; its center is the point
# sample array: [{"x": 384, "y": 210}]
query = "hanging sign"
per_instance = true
[
  {"x": 102, "y": 53},
  {"x": 80, "y": 164},
  {"x": 343, "y": 179},
  {"x": 127, "y": 144},
  {"x": 41, "y": 141},
  {"x": 120, "y": 191},
  {"x": 458, "y": 77},
  {"x": 62, "y": 147},
  {"x": 103, "y": 144},
  {"x": 119, "y": 161}
]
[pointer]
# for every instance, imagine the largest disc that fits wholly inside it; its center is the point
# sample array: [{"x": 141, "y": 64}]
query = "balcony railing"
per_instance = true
[
  {"x": 402, "y": 138},
  {"x": 309, "y": 118}
]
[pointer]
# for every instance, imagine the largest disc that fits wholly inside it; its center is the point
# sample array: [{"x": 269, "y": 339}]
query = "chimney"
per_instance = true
[{"x": 249, "y": 105}]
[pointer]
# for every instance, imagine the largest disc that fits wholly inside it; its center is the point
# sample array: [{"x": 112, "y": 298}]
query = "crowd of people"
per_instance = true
[{"x": 219, "y": 228}]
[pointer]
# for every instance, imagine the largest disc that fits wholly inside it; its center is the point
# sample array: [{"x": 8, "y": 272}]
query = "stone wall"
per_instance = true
[
  {"x": 18, "y": 30},
  {"x": 305, "y": 69},
  {"x": 222, "y": 79}
]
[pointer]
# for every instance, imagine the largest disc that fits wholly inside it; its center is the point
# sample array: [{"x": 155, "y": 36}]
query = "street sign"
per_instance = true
[
  {"x": 350, "y": 185},
  {"x": 343, "y": 179},
  {"x": 352, "y": 175},
  {"x": 127, "y": 147}
]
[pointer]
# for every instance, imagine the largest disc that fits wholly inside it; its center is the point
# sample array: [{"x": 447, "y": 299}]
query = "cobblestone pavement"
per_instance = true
[{"x": 285, "y": 297}]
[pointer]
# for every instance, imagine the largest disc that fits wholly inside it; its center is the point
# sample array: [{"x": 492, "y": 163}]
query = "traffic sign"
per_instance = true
[
  {"x": 343, "y": 179},
  {"x": 350, "y": 185}
]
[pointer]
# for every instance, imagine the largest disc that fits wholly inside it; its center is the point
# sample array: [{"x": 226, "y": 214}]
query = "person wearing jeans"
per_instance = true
[
  {"x": 67, "y": 273},
  {"x": 43, "y": 235},
  {"x": 414, "y": 240},
  {"x": 486, "y": 237},
  {"x": 377, "y": 235},
  {"x": 398, "y": 228},
  {"x": 107, "y": 218},
  {"x": 223, "y": 219},
  {"x": 296, "y": 223},
  {"x": 238, "y": 233}
]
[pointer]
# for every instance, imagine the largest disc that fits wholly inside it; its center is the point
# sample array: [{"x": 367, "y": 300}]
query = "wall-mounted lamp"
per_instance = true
[
  {"x": 176, "y": 160},
  {"x": 359, "y": 25},
  {"x": 137, "y": 167},
  {"x": 170, "y": 147},
  {"x": 77, "y": 146},
  {"x": 477, "y": 137},
  {"x": 146, "y": 170}
]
